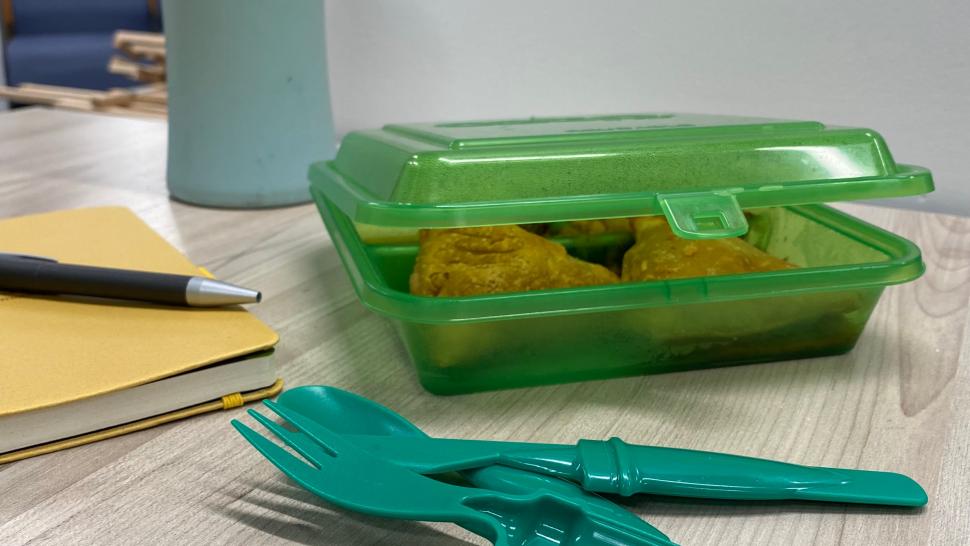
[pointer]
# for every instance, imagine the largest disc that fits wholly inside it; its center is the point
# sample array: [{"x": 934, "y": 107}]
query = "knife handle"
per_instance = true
[{"x": 614, "y": 466}]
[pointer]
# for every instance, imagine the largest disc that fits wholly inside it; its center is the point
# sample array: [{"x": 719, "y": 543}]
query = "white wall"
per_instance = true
[{"x": 898, "y": 66}]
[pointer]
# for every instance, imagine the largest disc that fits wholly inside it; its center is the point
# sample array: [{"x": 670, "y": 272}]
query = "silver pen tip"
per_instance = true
[{"x": 203, "y": 292}]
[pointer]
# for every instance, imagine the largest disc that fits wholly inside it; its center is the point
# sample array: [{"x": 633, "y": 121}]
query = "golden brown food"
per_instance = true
[
  {"x": 659, "y": 254},
  {"x": 488, "y": 260},
  {"x": 593, "y": 227}
]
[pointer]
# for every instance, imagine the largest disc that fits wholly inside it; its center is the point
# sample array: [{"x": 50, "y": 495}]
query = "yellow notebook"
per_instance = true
[{"x": 68, "y": 352}]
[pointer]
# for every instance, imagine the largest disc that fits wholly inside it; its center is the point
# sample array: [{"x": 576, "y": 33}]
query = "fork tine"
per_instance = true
[
  {"x": 296, "y": 469},
  {"x": 416, "y": 497},
  {"x": 299, "y": 442},
  {"x": 319, "y": 434}
]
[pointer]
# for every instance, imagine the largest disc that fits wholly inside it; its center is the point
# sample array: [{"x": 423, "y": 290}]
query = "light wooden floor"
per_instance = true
[{"x": 900, "y": 401}]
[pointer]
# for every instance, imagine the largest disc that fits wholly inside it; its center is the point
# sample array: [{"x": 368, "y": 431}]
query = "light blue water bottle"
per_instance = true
[{"x": 249, "y": 104}]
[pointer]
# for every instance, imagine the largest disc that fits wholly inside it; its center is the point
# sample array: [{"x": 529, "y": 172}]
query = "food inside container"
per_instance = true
[
  {"x": 639, "y": 244},
  {"x": 496, "y": 259}
]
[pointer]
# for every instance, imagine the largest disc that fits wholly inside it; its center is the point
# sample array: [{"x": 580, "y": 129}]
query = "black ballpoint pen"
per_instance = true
[{"x": 37, "y": 274}]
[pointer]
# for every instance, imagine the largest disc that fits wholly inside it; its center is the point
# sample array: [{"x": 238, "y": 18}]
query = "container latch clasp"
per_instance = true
[{"x": 703, "y": 215}]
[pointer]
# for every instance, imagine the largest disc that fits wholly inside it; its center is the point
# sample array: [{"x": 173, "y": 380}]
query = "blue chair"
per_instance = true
[{"x": 69, "y": 42}]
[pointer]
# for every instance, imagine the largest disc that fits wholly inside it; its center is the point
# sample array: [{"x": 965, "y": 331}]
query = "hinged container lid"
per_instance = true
[{"x": 698, "y": 170}]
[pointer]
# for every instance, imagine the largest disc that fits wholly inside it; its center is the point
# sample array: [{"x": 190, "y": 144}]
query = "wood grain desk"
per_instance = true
[{"x": 900, "y": 401}]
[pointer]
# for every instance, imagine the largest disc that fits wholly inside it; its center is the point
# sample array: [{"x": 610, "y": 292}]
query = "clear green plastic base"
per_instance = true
[
  {"x": 461, "y": 358},
  {"x": 470, "y": 344}
]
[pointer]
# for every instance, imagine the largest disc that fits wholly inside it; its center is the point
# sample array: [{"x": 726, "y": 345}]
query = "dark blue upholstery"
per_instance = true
[
  {"x": 71, "y": 60},
  {"x": 69, "y": 42},
  {"x": 80, "y": 16}
]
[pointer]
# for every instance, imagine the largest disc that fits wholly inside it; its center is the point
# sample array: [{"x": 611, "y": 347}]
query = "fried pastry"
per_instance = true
[
  {"x": 494, "y": 259},
  {"x": 659, "y": 254}
]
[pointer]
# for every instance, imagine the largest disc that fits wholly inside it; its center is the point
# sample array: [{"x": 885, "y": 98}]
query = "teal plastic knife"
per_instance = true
[{"x": 614, "y": 466}]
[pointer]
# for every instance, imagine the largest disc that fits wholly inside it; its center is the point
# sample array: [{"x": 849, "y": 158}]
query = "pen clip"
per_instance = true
[{"x": 5, "y": 255}]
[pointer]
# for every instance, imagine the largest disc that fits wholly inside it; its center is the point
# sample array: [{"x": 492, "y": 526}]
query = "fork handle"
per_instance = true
[{"x": 614, "y": 466}]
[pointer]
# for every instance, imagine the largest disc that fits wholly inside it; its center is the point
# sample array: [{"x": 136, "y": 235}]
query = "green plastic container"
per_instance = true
[{"x": 702, "y": 172}]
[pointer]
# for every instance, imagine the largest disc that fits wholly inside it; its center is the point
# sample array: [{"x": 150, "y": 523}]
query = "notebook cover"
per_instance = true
[{"x": 60, "y": 349}]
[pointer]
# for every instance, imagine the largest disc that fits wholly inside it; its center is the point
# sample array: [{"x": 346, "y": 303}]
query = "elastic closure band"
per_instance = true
[{"x": 233, "y": 400}]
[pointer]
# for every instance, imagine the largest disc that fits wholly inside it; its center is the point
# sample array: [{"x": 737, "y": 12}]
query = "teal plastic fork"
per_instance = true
[
  {"x": 357, "y": 415},
  {"x": 345, "y": 475}
]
